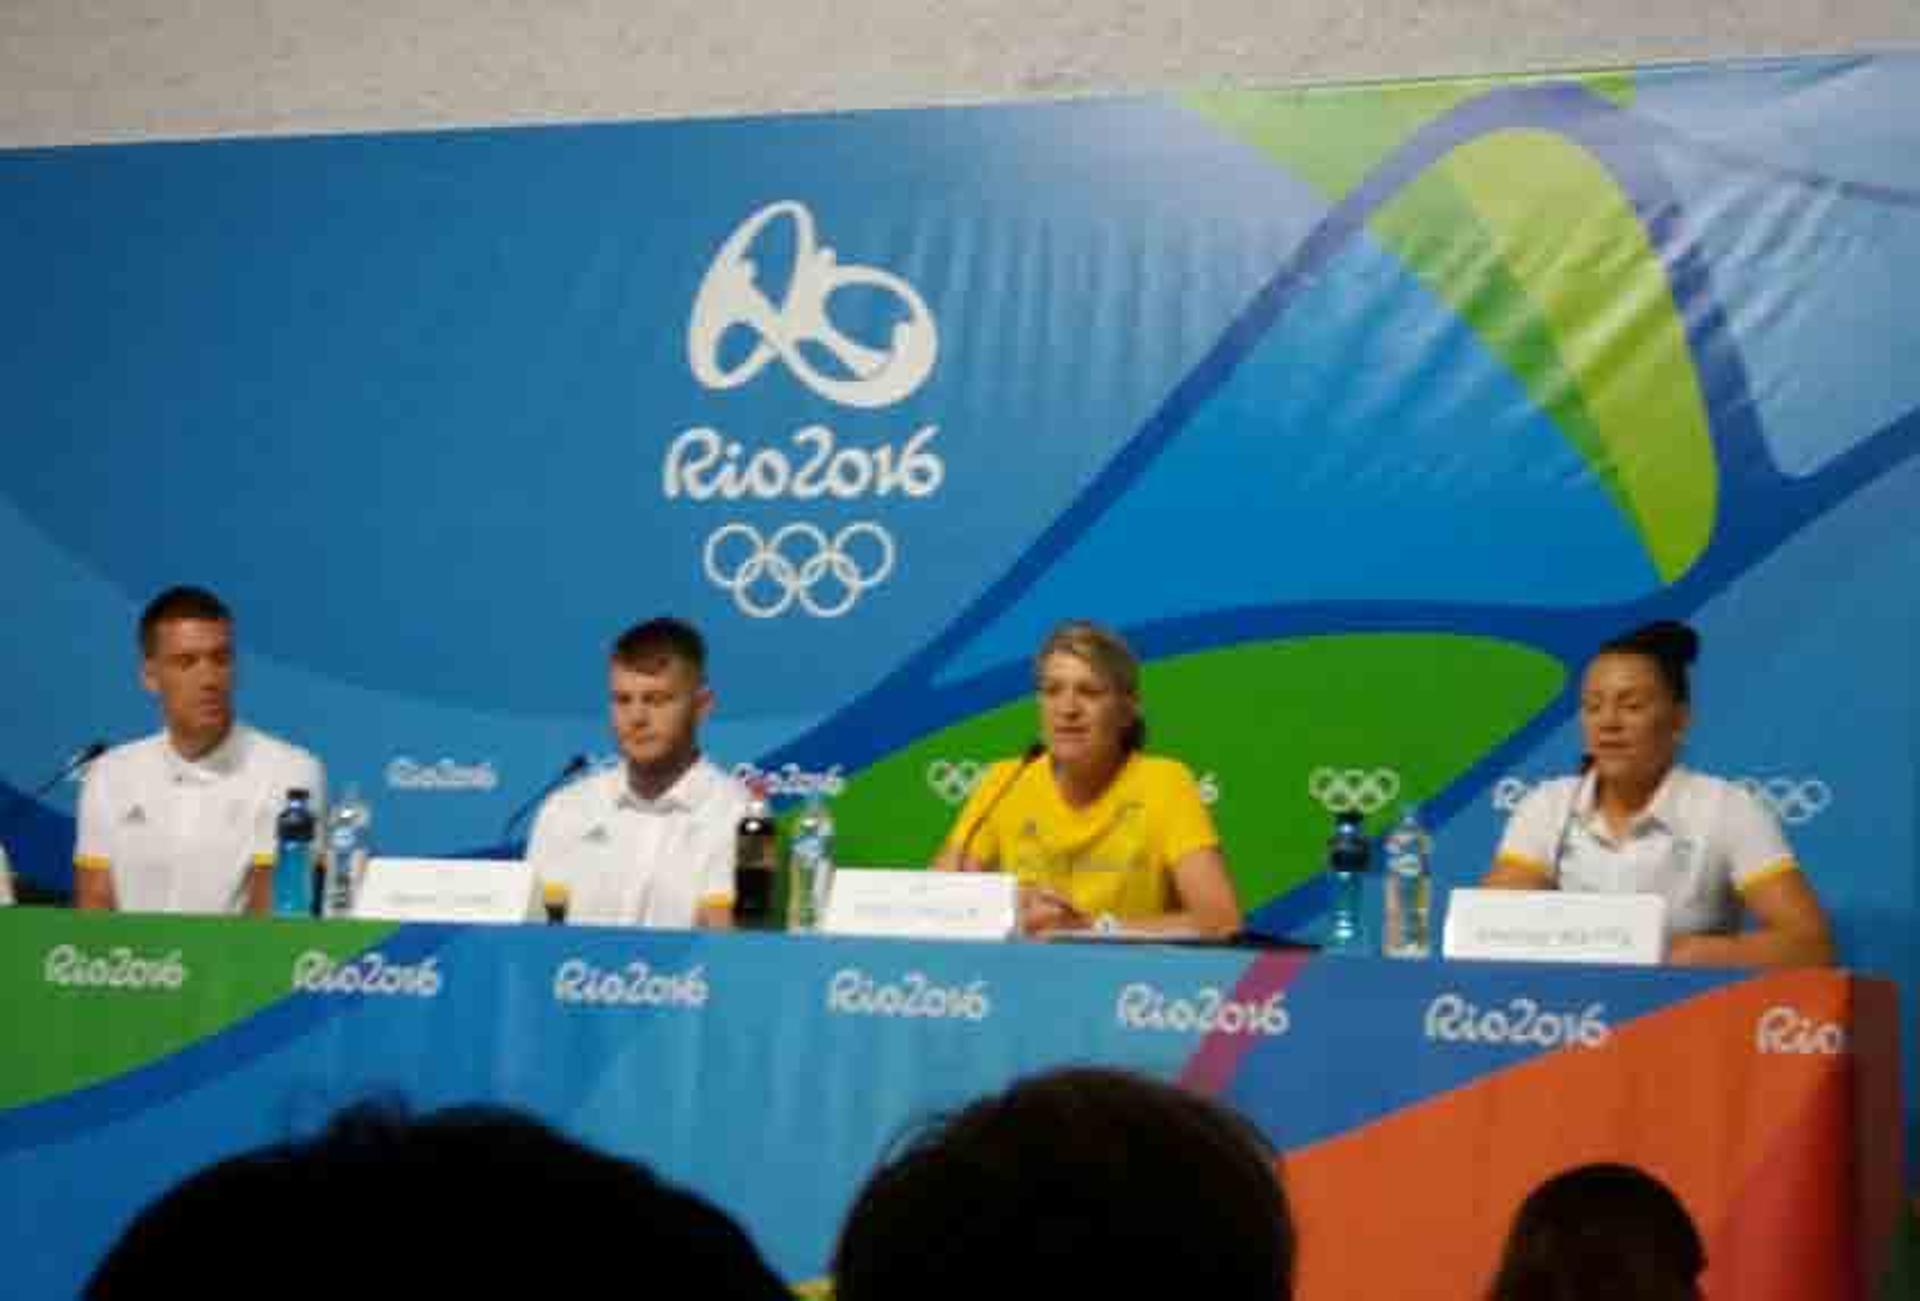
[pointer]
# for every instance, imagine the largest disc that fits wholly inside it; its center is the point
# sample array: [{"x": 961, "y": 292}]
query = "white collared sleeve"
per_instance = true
[
  {"x": 717, "y": 844},
  {"x": 93, "y": 832},
  {"x": 317, "y": 795},
  {"x": 1750, "y": 837},
  {"x": 1535, "y": 826},
  {"x": 547, "y": 847}
]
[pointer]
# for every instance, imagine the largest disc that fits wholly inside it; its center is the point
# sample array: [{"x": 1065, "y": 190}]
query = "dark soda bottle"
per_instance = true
[{"x": 756, "y": 865}]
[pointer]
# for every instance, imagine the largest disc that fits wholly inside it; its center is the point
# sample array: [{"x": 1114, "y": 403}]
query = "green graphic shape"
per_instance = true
[
  {"x": 87, "y": 1033},
  {"x": 1256, "y": 721},
  {"x": 1333, "y": 137},
  {"x": 1528, "y": 238}
]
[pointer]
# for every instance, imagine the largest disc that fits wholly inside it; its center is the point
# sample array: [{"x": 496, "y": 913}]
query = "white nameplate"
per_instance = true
[
  {"x": 1555, "y": 926},
  {"x": 445, "y": 890},
  {"x": 922, "y": 904}
]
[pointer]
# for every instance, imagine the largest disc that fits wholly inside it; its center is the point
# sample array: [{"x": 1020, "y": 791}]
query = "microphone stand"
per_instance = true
[
  {"x": 1566, "y": 823},
  {"x": 510, "y": 830},
  {"x": 1027, "y": 757},
  {"x": 25, "y": 890}
]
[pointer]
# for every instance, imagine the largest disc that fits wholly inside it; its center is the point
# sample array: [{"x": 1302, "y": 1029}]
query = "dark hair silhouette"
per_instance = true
[
  {"x": 643, "y": 646},
  {"x": 179, "y": 603},
  {"x": 477, "y": 1201},
  {"x": 1601, "y": 1233},
  {"x": 1672, "y": 647},
  {"x": 1082, "y": 1182}
]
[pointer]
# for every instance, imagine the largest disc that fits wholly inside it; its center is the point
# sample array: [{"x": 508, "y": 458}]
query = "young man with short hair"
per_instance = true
[
  {"x": 183, "y": 821},
  {"x": 650, "y": 842}
]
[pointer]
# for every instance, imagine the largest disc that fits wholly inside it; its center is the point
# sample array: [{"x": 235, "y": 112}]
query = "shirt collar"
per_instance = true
[
  {"x": 1662, "y": 810},
  {"x": 1664, "y": 807},
  {"x": 221, "y": 761},
  {"x": 688, "y": 792}
]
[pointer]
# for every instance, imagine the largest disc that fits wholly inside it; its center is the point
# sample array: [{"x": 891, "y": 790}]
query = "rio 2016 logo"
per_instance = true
[
  {"x": 118, "y": 968},
  {"x": 915, "y": 995},
  {"x": 1522, "y": 1022},
  {"x": 1788, "y": 1030},
  {"x": 800, "y": 565}
]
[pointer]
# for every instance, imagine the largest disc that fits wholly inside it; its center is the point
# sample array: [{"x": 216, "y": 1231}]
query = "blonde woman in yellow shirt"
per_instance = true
[{"x": 1099, "y": 834}]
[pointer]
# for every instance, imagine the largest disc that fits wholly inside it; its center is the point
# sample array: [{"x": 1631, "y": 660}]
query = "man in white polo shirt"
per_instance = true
[
  {"x": 649, "y": 843},
  {"x": 183, "y": 821}
]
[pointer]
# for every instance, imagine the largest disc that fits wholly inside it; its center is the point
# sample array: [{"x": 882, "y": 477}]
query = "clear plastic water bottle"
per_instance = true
[
  {"x": 1347, "y": 857},
  {"x": 1408, "y": 849},
  {"x": 348, "y": 825},
  {"x": 809, "y": 864},
  {"x": 293, "y": 856}
]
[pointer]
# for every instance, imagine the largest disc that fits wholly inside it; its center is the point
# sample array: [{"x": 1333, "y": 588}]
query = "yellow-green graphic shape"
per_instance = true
[
  {"x": 1529, "y": 239},
  {"x": 1333, "y": 137},
  {"x": 1256, "y": 721}
]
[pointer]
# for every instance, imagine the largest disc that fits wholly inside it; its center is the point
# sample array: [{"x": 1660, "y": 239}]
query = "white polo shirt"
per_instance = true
[
  {"x": 180, "y": 835},
  {"x": 628, "y": 861},
  {"x": 1700, "y": 842}
]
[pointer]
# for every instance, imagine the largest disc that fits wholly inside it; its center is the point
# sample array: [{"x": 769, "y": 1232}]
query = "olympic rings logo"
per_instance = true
[
  {"x": 798, "y": 564},
  {"x": 953, "y": 782},
  {"x": 1339, "y": 789},
  {"x": 730, "y": 297},
  {"x": 1793, "y": 800}
]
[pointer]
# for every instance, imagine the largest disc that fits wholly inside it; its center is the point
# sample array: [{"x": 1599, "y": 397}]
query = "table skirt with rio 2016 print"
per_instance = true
[{"x": 1414, "y": 1102}]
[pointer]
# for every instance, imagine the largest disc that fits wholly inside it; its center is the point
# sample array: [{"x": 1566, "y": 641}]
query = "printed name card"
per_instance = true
[
  {"x": 1555, "y": 926},
  {"x": 922, "y": 905},
  {"x": 446, "y": 890}
]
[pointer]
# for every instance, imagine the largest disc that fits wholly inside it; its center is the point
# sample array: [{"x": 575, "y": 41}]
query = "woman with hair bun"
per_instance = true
[{"x": 1636, "y": 821}]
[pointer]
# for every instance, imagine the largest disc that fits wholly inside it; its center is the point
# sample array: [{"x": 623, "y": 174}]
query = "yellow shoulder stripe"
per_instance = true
[
  {"x": 1778, "y": 867},
  {"x": 1507, "y": 858}
]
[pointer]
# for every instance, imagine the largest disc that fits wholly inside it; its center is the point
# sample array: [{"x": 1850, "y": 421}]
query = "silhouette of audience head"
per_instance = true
[
  {"x": 1080, "y": 1182},
  {"x": 471, "y": 1200},
  {"x": 1601, "y": 1233}
]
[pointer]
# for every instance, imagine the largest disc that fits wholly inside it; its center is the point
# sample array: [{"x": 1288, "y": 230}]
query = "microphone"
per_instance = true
[
  {"x": 1566, "y": 823},
  {"x": 85, "y": 755},
  {"x": 1027, "y": 757},
  {"x": 79, "y": 759},
  {"x": 510, "y": 829}
]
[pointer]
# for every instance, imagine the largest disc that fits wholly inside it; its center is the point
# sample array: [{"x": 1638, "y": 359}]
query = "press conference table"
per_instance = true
[{"x": 1415, "y": 1102}]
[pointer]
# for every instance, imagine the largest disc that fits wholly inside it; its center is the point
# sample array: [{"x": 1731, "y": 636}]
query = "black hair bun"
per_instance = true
[{"x": 1664, "y": 639}]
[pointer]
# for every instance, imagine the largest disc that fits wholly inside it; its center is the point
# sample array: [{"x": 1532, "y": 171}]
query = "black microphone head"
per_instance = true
[
  {"x": 1586, "y": 763},
  {"x": 575, "y": 766},
  {"x": 1033, "y": 752},
  {"x": 88, "y": 753}
]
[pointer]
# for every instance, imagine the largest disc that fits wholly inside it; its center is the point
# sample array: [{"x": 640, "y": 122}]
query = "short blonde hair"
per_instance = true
[
  {"x": 1100, "y": 647},
  {"x": 1108, "y": 655}
]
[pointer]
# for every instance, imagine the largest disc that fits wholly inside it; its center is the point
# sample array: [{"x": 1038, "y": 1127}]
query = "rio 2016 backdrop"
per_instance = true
[{"x": 1365, "y": 414}]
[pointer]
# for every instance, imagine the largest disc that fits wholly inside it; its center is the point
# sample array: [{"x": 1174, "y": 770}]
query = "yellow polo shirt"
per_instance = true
[{"x": 1114, "y": 856}]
